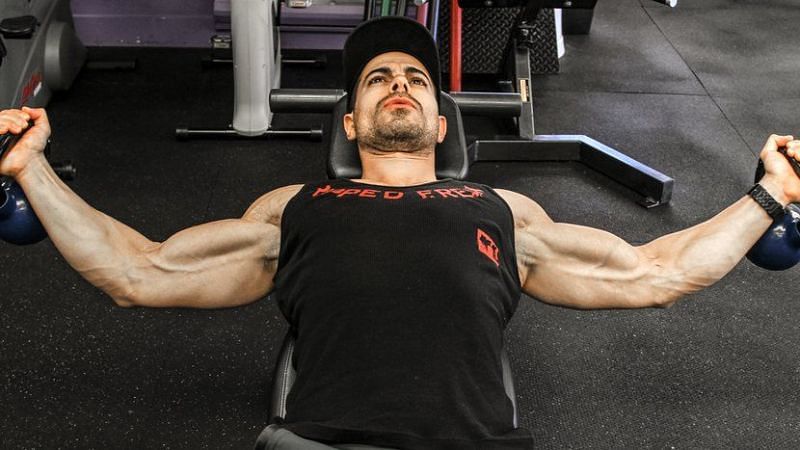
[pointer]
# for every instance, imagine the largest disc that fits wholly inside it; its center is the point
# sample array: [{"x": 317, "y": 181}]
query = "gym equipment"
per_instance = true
[
  {"x": 649, "y": 187},
  {"x": 579, "y": 20},
  {"x": 577, "y": 15},
  {"x": 257, "y": 65},
  {"x": 257, "y": 70},
  {"x": 760, "y": 167},
  {"x": 386, "y": 8},
  {"x": 779, "y": 247},
  {"x": 18, "y": 223},
  {"x": 64, "y": 169},
  {"x": 39, "y": 51},
  {"x": 320, "y": 26}
]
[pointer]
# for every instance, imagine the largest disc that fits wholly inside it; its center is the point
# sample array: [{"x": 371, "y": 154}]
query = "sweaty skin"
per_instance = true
[{"x": 395, "y": 120}]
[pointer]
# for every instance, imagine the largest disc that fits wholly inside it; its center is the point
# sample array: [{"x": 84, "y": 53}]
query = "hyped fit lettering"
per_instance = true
[{"x": 425, "y": 194}]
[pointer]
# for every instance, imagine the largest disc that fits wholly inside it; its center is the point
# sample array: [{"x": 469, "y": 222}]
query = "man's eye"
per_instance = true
[
  {"x": 375, "y": 80},
  {"x": 419, "y": 82}
]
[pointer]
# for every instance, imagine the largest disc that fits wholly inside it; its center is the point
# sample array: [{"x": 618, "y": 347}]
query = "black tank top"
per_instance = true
[{"x": 399, "y": 297}]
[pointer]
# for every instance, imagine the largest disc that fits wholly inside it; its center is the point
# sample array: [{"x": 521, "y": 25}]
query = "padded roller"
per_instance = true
[{"x": 64, "y": 55}]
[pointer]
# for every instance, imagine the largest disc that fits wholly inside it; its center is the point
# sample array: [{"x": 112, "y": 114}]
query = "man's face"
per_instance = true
[{"x": 395, "y": 109}]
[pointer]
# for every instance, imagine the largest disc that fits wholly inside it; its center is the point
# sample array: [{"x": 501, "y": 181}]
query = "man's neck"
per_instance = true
[{"x": 397, "y": 169}]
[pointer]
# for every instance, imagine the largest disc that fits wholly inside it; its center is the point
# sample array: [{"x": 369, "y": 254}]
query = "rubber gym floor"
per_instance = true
[{"x": 693, "y": 92}]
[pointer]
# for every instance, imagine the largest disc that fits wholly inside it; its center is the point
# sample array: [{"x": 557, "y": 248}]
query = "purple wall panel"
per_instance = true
[
  {"x": 156, "y": 23},
  {"x": 191, "y": 23},
  {"x": 143, "y": 7},
  {"x": 320, "y": 27}
]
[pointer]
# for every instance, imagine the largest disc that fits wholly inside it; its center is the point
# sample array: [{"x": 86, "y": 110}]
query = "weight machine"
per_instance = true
[
  {"x": 648, "y": 186},
  {"x": 39, "y": 51},
  {"x": 256, "y": 46}
]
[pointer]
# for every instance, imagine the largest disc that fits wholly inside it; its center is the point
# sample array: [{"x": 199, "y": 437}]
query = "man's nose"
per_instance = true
[{"x": 399, "y": 84}]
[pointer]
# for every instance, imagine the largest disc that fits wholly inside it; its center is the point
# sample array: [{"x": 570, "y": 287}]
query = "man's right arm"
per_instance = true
[{"x": 215, "y": 265}]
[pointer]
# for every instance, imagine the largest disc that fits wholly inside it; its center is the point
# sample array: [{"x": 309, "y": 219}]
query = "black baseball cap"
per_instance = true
[{"x": 389, "y": 34}]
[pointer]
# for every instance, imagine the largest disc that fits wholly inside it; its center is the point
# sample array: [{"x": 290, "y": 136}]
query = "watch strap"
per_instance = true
[{"x": 766, "y": 201}]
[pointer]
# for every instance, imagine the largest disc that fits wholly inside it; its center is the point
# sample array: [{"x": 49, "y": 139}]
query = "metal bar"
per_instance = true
[
  {"x": 183, "y": 134},
  {"x": 433, "y": 21},
  {"x": 670, "y": 3},
  {"x": 654, "y": 187},
  {"x": 369, "y": 8},
  {"x": 517, "y": 150},
  {"x": 650, "y": 187},
  {"x": 422, "y": 14},
  {"x": 490, "y": 104},
  {"x": 304, "y": 100},
  {"x": 522, "y": 85},
  {"x": 455, "y": 46},
  {"x": 565, "y": 4},
  {"x": 6, "y": 142}
]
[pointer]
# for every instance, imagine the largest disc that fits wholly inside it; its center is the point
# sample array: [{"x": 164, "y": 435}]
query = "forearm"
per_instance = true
[
  {"x": 583, "y": 267},
  {"x": 99, "y": 247},
  {"x": 692, "y": 259}
]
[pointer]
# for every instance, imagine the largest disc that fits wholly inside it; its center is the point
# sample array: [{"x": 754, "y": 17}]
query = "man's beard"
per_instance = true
[{"x": 395, "y": 131}]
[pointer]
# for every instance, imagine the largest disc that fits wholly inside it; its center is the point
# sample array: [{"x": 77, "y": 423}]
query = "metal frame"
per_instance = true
[
  {"x": 257, "y": 71},
  {"x": 649, "y": 187}
]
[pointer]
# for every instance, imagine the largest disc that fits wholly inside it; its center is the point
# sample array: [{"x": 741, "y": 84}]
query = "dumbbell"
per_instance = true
[
  {"x": 779, "y": 247},
  {"x": 18, "y": 222},
  {"x": 64, "y": 169}
]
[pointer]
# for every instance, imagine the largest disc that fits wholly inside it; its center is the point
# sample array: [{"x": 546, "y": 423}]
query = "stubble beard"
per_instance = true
[{"x": 397, "y": 131}]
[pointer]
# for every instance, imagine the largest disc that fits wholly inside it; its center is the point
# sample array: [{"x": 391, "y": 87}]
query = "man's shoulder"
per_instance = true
[
  {"x": 524, "y": 209},
  {"x": 278, "y": 198},
  {"x": 269, "y": 207}
]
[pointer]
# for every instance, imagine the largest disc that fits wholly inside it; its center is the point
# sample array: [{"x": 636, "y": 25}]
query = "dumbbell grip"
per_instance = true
[
  {"x": 8, "y": 140},
  {"x": 65, "y": 169},
  {"x": 793, "y": 162}
]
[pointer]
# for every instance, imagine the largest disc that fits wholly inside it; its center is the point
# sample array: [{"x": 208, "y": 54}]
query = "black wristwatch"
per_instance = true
[{"x": 770, "y": 205}]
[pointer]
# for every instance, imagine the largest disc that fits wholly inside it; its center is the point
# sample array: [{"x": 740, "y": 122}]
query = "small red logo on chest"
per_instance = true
[{"x": 487, "y": 246}]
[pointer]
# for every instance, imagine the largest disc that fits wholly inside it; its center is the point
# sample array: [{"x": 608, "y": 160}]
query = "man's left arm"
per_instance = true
[{"x": 583, "y": 267}]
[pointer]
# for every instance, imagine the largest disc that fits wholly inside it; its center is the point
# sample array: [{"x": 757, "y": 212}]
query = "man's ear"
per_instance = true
[
  {"x": 349, "y": 126},
  {"x": 442, "y": 129}
]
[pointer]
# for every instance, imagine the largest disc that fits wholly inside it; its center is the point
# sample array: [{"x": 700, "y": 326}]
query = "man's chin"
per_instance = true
[
  {"x": 397, "y": 130},
  {"x": 399, "y": 149},
  {"x": 397, "y": 113},
  {"x": 399, "y": 142},
  {"x": 399, "y": 119}
]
